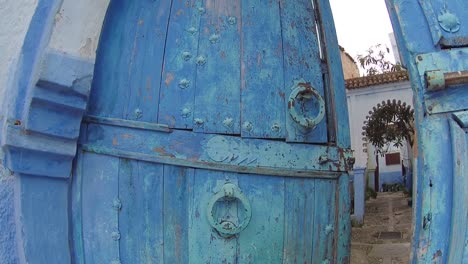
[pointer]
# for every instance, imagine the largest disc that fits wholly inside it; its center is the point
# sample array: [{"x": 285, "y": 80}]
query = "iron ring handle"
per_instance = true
[
  {"x": 305, "y": 90},
  {"x": 224, "y": 227}
]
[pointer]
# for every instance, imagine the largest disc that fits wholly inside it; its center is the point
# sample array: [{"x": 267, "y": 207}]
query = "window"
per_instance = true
[{"x": 392, "y": 158}]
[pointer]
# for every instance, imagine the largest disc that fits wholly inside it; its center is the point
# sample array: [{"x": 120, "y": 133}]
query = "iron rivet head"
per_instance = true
[
  {"x": 184, "y": 83},
  {"x": 192, "y": 30},
  {"x": 201, "y": 60},
  {"x": 201, "y": 10},
  {"x": 115, "y": 236},
  {"x": 186, "y": 55},
  {"x": 214, "y": 38},
  {"x": 232, "y": 20},
  {"x": 115, "y": 262},
  {"x": 448, "y": 21},
  {"x": 326, "y": 261},
  {"x": 329, "y": 229},
  {"x": 228, "y": 122},
  {"x": 276, "y": 127},
  {"x": 138, "y": 113},
  {"x": 199, "y": 121},
  {"x": 430, "y": 108},
  {"x": 186, "y": 112},
  {"x": 117, "y": 204},
  {"x": 247, "y": 126}
]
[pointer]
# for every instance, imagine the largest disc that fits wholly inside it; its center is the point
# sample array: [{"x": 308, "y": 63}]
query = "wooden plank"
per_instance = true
[
  {"x": 217, "y": 96},
  {"x": 262, "y": 240},
  {"x": 42, "y": 219},
  {"x": 263, "y": 91},
  {"x": 141, "y": 215},
  {"x": 146, "y": 60},
  {"x": 177, "y": 193},
  {"x": 100, "y": 219},
  {"x": 255, "y": 156},
  {"x": 179, "y": 71},
  {"x": 110, "y": 80},
  {"x": 335, "y": 86},
  {"x": 302, "y": 62},
  {"x": 299, "y": 226},
  {"x": 459, "y": 222},
  {"x": 342, "y": 232},
  {"x": 128, "y": 66},
  {"x": 77, "y": 209},
  {"x": 324, "y": 221},
  {"x": 205, "y": 245}
]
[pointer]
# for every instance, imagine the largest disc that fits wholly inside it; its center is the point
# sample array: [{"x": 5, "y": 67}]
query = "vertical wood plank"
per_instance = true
[
  {"x": 263, "y": 91},
  {"x": 205, "y": 245},
  {"x": 177, "y": 192},
  {"x": 342, "y": 232},
  {"x": 302, "y": 61},
  {"x": 262, "y": 240},
  {"x": 324, "y": 220},
  {"x": 146, "y": 60},
  {"x": 179, "y": 70},
  {"x": 335, "y": 86},
  {"x": 129, "y": 60},
  {"x": 217, "y": 97},
  {"x": 100, "y": 220},
  {"x": 299, "y": 210},
  {"x": 459, "y": 221},
  {"x": 141, "y": 216},
  {"x": 76, "y": 209},
  {"x": 111, "y": 71}
]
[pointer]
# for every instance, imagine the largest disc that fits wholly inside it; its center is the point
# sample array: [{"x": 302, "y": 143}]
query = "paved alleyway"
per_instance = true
[{"x": 386, "y": 234}]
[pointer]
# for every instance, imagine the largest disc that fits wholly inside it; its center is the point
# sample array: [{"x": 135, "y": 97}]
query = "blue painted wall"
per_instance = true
[
  {"x": 8, "y": 253},
  {"x": 359, "y": 184}
]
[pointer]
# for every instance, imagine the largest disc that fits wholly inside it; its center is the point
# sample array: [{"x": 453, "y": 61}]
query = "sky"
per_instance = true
[{"x": 361, "y": 24}]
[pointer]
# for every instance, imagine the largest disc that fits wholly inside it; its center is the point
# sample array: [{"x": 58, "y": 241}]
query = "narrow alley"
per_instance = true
[{"x": 385, "y": 236}]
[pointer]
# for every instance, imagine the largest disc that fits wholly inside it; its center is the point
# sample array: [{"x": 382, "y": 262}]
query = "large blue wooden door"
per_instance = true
[
  {"x": 216, "y": 132},
  {"x": 433, "y": 36}
]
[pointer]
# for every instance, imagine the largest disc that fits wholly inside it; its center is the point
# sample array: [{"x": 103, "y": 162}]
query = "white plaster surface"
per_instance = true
[
  {"x": 361, "y": 101},
  {"x": 78, "y": 26},
  {"x": 15, "y": 16}
]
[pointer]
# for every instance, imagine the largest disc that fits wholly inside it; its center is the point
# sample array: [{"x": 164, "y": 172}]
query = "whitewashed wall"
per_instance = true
[
  {"x": 74, "y": 35},
  {"x": 361, "y": 101},
  {"x": 15, "y": 16}
]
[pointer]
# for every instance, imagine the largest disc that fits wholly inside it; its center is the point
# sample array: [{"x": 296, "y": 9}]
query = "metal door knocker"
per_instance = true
[
  {"x": 226, "y": 225},
  {"x": 304, "y": 90}
]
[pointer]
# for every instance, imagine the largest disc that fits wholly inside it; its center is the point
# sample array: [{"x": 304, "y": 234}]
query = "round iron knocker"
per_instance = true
[
  {"x": 304, "y": 90},
  {"x": 226, "y": 227}
]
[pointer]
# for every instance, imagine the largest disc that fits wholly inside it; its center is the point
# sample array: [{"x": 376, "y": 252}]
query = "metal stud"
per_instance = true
[
  {"x": 186, "y": 55},
  {"x": 201, "y": 60},
  {"x": 199, "y": 121},
  {"x": 138, "y": 113},
  {"x": 186, "y": 112},
  {"x": 115, "y": 235},
  {"x": 192, "y": 30},
  {"x": 276, "y": 127},
  {"x": 232, "y": 20},
  {"x": 117, "y": 204},
  {"x": 184, "y": 84},
  {"x": 228, "y": 122},
  {"x": 214, "y": 38},
  {"x": 201, "y": 10},
  {"x": 247, "y": 126}
]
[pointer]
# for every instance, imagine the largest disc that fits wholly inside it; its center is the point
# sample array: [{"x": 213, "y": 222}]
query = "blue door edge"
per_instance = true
[{"x": 41, "y": 154}]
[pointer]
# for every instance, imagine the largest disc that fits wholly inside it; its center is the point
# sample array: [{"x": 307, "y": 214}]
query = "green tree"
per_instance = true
[
  {"x": 375, "y": 61},
  {"x": 391, "y": 122}
]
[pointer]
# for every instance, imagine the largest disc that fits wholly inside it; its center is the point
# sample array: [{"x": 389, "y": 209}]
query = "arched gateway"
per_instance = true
[{"x": 215, "y": 132}]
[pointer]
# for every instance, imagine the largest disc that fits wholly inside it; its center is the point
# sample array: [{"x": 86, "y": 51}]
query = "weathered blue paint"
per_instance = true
[
  {"x": 261, "y": 62},
  {"x": 431, "y": 41},
  {"x": 8, "y": 251},
  {"x": 143, "y": 178}
]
